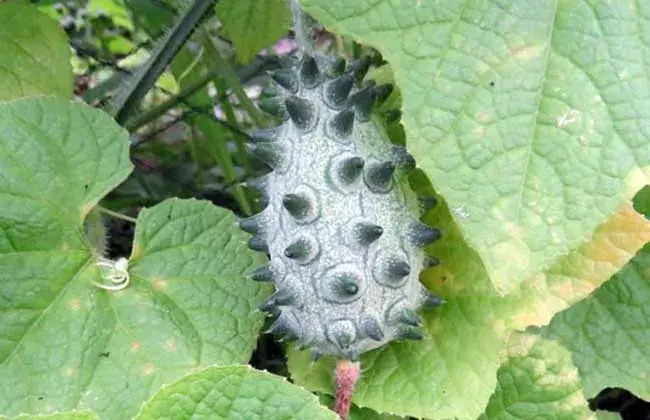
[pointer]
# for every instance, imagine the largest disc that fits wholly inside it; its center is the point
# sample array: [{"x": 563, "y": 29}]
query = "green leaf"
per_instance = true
[
  {"x": 642, "y": 201},
  {"x": 528, "y": 117},
  {"x": 115, "y": 9},
  {"x": 67, "y": 344},
  {"x": 451, "y": 373},
  {"x": 34, "y": 54},
  {"x": 253, "y": 24},
  {"x": 234, "y": 392},
  {"x": 537, "y": 380},
  {"x": 609, "y": 332},
  {"x": 68, "y": 415}
]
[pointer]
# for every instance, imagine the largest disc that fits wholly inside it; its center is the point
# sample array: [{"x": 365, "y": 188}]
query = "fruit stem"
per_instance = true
[
  {"x": 346, "y": 375},
  {"x": 302, "y": 28}
]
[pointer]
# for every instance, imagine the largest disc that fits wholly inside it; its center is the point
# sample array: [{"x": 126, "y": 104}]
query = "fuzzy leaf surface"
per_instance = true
[
  {"x": 234, "y": 392},
  {"x": 66, "y": 344},
  {"x": 34, "y": 54},
  {"x": 189, "y": 305},
  {"x": 537, "y": 380},
  {"x": 253, "y": 24},
  {"x": 451, "y": 373},
  {"x": 530, "y": 118},
  {"x": 68, "y": 415},
  {"x": 608, "y": 333}
]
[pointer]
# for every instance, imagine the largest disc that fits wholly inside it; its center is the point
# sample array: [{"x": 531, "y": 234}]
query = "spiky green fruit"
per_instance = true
[{"x": 341, "y": 224}]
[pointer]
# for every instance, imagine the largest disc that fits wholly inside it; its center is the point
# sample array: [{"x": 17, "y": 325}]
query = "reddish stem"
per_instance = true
[{"x": 346, "y": 375}]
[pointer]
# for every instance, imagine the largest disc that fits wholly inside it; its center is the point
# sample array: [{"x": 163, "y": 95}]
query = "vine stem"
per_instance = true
[
  {"x": 346, "y": 375},
  {"x": 116, "y": 214}
]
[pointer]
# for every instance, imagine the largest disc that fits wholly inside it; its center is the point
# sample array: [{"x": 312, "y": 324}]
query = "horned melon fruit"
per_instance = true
[{"x": 340, "y": 222}]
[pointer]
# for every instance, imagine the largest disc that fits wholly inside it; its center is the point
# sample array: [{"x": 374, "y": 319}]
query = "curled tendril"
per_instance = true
[{"x": 115, "y": 274}]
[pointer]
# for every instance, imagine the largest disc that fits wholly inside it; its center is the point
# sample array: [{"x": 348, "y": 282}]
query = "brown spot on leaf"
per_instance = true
[
  {"x": 148, "y": 369},
  {"x": 170, "y": 345},
  {"x": 74, "y": 304},
  {"x": 159, "y": 284}
]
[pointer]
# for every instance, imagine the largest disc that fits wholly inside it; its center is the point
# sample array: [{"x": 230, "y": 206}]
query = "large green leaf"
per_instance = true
[
  {"x": 609, "y": 332},
  {"x": 68, "y": 415},
  {"x": 253, "y": 24},
  {"x": 65, "y": 343},
  {"x": 537, "y": 381},
  {"x": 34, "y": 54},
  {"x": 529, "y": 117},
  {"x": 451, "y": 373},
  {"x": 234, "y": 392}
]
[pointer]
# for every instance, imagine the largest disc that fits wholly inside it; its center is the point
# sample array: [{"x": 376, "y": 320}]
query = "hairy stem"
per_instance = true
[
  {"x": 302, "y": 27},
  {"x": 96, "y": 232},
  {"x": 346, "y": 375}
]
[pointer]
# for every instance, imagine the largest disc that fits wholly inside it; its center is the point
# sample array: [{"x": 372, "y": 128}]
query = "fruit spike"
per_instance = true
[
  {"x": 392, "y": 116},
  {"x": 309, "y": 73},
  {"x": 262, "y": 274},
  {"x": 297, "y": 205},
  {"x": 360, "y": 67},
  {"x": 342, "y": 123},
  {"x": 263, "y": 136},
  {"x": 363, "y": 102},
  {"x": 351, "y": 169},
  {"x": 422, "y": 235},
  {"x": 287, "y": 79},
  {"x": 301, "y": 250},
  {"x": 300, "y": 111},
  {"x": 412, "y": 334},
  {"x": 258, "y": 244},
  {"x": 267, "y": 153},
  {"x": 338, "y": 67},
  {"x": 347, "y": 285},
  {"x": 337, "y": 90},
  {"x": 340, "y": 220},
  {"x": 431, "y": 300},
  {"x": 431, "y": 262},
  {"x": 427, "y": 203},
  {"x": 249, "y": 224},
  {"x": 368, "y": 233},
  {"x": 378, "y": 177},
  {"x": 258, "y": 184},
  {"x": 403, "y": 159},
  {"x": 369, "y": 327},
  {"x": 398, "y": 270},
  {"x": 315, "y": 355},
  {"x": 409, "y": 317},
  {"x": 281, "y": 328},
  {"x": 274, "y": 107},
  {"x": 383, "y": 92}
]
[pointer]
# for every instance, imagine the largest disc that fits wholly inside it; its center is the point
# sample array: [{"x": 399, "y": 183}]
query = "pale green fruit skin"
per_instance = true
[{"x": 316, "y": 297}]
